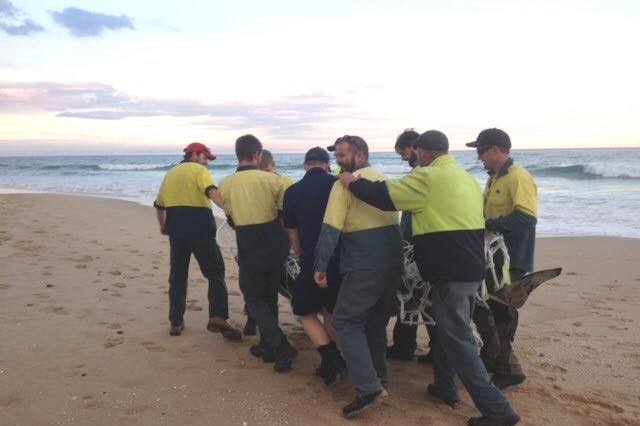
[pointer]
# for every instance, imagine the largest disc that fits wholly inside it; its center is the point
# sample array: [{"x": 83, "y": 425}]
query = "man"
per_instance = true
[
  {"x": 448, "y": 228},
  {"x": 305, "y": 203},
  {"x": 371, "y": 261},
  {"x": 510, "y": 208},
  {"x": 404, "y": 336},
  {"x": 251, "y": 200},
  {"x": 267, "y": 164},
  {"x": 183, "y": 207}
]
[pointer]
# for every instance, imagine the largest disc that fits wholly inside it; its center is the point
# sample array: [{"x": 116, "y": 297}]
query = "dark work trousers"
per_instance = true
[
  {"x": 360, "y": 318},
  {"x": 497, "y": 327},
  {"x": 260, "y": 291},
  {"x": 209, "y": 258},
  {"x": 456, "y": 352},
  {"x": 405, "y": 337}
]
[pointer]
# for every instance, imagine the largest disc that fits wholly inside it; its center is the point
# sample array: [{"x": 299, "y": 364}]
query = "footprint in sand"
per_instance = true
[
  {"x": 136, "y": 409},
  {"x": 234, "y": 293},
  {"x": 115, "y": 272},
  {"x": 114, "y": 326},
  {"x": 4, "y": 286},
  {"x": 46, "y": 274},
  {"x": 81, "y": 266},
  {"x": 58, "y": 310},
  {"x": 113, "y": 341},
  {"x": 153, "y": 347},
  {"x": 8, "y": 399},
  {"x": 93, "y": 405},
  {"x": 116, "y": 294},
  {"x": 120, "y": 285}
]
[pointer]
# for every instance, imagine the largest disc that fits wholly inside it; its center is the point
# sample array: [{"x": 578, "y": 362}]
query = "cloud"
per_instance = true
[
  {"x": 11, "y": 23},
  {"x": 288, "y": 117},
  {"x": 82, "y": 23}
]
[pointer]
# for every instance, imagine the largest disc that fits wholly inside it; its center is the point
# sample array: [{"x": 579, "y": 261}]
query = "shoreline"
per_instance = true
[{"x": 219, "y": 214}]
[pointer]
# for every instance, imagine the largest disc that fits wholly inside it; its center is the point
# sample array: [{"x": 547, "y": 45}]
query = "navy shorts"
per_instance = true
[{"x": 308, "y": 298}]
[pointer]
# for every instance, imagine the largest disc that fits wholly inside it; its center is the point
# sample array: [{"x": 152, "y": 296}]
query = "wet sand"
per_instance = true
[{"x": 84, "y": 332}]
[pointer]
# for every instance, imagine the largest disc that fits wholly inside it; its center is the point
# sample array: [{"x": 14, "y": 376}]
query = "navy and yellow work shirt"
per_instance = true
[
  {"x": 446, "y": 211},
  {"x": 304, "y": 205},
  {"x": 184, "y": 196},
  {"x": 511, "y": 208},
  {"x": 369, "y": 237},
  {"x": 252, "y": 200}
]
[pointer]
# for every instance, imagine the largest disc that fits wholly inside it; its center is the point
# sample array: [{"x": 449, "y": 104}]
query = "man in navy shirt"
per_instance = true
[{"x": 304, "y": 206}]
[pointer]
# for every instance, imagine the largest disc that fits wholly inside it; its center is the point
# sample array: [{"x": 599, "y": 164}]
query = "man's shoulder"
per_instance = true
[
  {"x": 370, "y": 173},
  {"x": 519, "y": 172}
]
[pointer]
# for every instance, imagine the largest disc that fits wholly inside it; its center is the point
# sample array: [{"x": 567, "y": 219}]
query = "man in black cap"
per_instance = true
[
  {"x": 304, "y": 206},
  {"x": 510, "y": 208},
  {"x": 448, "y": 234}
]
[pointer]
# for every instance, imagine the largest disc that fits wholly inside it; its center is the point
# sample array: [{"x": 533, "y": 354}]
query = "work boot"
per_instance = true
[
  {"x": 332, "y": 363},
  {"x": 261, "y": 350},
  {"x": 394, "y": 353},
  {"x": 220, "y": 325},
  {"x": 363, "y": 402},
  {"x": 491, "y": 421},
  {"x": 176, "y": 330},
  {"x": 249, "y": 327},
  {"x": 432, "y": 390},
  {"x": 503, "y": 381},
  {"x": 284, "y": 357}
]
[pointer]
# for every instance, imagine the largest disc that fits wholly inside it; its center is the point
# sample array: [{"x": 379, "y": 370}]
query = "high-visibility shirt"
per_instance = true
[
  {"x": 184, "y": 195},
  {"x": 369, "y": 237}
]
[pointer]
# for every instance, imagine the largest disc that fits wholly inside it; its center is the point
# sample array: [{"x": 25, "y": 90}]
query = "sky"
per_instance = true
[{"x": 90, "y": 77}]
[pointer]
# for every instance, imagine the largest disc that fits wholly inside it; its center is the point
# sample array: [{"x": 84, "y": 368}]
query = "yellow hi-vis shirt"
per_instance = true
[
  {"x": 186, "y": 185},
  {"x": 369, "y": 237},
  {"x": 251, "y": 196},
  {"x": 509, "y": 191}
]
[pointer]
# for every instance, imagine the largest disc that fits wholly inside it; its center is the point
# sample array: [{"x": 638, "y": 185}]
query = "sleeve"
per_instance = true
[
  {"x": 373, "y": 193},
  {"x": 525, "y": 195},
  {"x": 226, "y": 200},
  {"x": 159, "y": 202},
  {"x": 409, "y": 193},
  {"x": 332, "y": 225},
  {"x": 204, "y": 180},
  {"x": 288, "y": 210}
]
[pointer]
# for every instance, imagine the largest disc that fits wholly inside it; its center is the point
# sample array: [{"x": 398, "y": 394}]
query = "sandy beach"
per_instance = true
[{"x": 84, "y": 335}]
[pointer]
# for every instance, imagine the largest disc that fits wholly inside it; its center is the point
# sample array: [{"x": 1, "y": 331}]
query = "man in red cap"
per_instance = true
[{"x": 183, "y": 207}]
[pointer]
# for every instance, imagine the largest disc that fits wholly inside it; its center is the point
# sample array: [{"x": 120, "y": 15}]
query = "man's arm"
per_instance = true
[
  {"x": 406, "y": 194},
  {"x": 214, "y": 195},
  {"x": 332, "y": 225},
  {"x": 161, "y": 216},
  {"x": 294, "y": 240}
]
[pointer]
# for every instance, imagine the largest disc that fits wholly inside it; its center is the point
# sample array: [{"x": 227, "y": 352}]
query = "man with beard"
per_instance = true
[
  {"x": 371, "y": 261},
  {"x": 183, "y": 207},
  {"x": 405, "y": 335},
  {"x": 448, "y": 234},
  {"x": 510, "y": 208}
]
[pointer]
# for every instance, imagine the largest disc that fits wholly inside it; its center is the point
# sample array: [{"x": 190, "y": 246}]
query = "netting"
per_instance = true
[{"x": 414, "y": 294}]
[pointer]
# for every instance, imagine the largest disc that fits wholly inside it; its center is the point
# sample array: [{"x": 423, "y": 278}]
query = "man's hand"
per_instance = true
[
  {"x": 347, "y": 178},
  {"x": 163, "y": 231},
  {"x": 321, "y": 279}
]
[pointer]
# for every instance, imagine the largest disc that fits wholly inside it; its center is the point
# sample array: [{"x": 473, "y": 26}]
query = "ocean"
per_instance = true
[{"x": 581, "y": 191}]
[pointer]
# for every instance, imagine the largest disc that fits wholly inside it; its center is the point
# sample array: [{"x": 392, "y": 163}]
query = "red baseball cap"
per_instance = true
[{"x": 197, "y": 148}]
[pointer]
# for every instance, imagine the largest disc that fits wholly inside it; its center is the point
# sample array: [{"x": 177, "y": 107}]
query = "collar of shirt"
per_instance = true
[
  {"x": 243, "y": 168},
  {"x": 503, "y": 170},
  {"x": 314, "y": 171}
]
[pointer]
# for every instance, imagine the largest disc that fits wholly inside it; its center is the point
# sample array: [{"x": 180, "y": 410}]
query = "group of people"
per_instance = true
[{"x": 346, "y": 232}]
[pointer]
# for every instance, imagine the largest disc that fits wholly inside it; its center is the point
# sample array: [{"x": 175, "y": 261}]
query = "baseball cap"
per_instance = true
[
  {"x": 317, "y": 154},
  {"x": 490, "y": 137},
  {"x": 433, "y": 140},
  {"x": 197, "y": 147}
]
